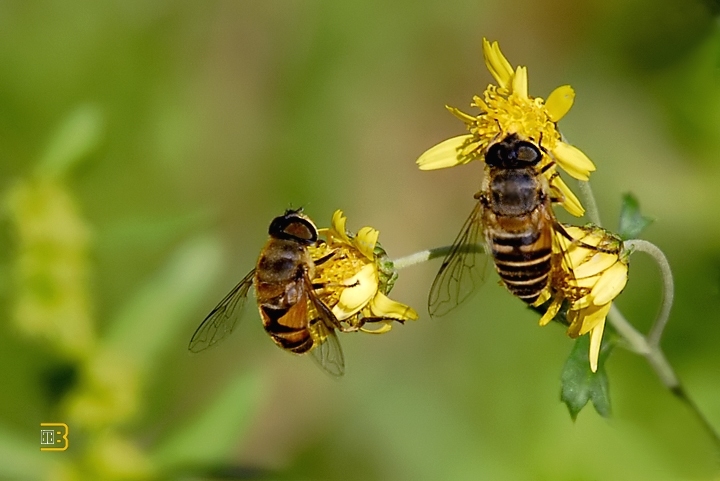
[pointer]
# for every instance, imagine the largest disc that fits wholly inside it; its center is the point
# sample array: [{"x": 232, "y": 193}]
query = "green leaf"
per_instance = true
[
  {"x": 580, "y": 384},
  {"x": 76, "y": 137},
  {"x": 632, "y": 222},
  {"x": 211, "y": 437},
  {"x": 155, "y": 316},
  {"x": 22, "y": 460}
]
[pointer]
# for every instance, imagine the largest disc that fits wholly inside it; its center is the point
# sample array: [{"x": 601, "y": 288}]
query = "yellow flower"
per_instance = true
[
  {"x": 590, "y": 271},
  {"x": 506, "y": 108},
  {"x": 52, "y": 269},
  {"x": 357, "y": 275}
]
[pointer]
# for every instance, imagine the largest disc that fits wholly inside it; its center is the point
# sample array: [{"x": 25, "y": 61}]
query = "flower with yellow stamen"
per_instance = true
[
  {"x": 590, "y": 271},
  {"x": 506, "y": 108},
  {"x": 356, "y": 278}
]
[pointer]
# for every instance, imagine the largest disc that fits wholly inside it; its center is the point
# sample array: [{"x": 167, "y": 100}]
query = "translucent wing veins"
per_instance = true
[
  {"x": 221, "y": 320},
  {"x": 460, "y": 272},
  {"x": 327, "y": 351}
]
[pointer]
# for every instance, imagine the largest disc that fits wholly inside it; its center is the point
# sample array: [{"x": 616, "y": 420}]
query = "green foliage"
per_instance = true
[
  {"x": 206, "y": 119},
  {"x": 149, "y": 320},
  {"x": 580, "y": 385},
  {"x": 207, "y": 440},
  {"x": 115, "y": 367},
  {"x": 79, "y": 135},
  {"x": 22, "y": 460},
  {"x": 632, "y": 221}
]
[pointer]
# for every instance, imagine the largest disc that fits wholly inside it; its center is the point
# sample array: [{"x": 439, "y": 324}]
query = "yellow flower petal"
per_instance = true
[
  {"x": 595, "y": 343},
  {"x": 384, "y": 327},
  {"x": 592, "y": 316},
  {"x": 559, "y": 102},
  {"x": 583, "y": 302},
  {"x": 445, "y": 154},
  {"x": 596, "y": 264},
  {"x": 352, "y": 299},
  {"x": 520, "y": 83},
  {"x": 479, "y": 103},
  {"x": 465, "y": 152},
  {"x": 544, "y": 297},
  {"x": 586, "y": 283},
  {"x": 570, "y": 202},
  {"x": 551, "y": 312},
  {"x": 467, "y": 118},
  {"x": 573, "y": 254},
  {"x": 497, "y": 64},
  {"x": 573, "y": 161},
  {"x": 573, "y": 231},
  {"x": 365, "y": 241},
  {"x": 338, "y": 225},
  {"x": 610, "y": 284},
  {"x": 383, "y": 306}
]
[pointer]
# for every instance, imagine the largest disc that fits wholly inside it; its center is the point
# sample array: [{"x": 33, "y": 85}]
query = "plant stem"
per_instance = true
[
  {"x": 591, "y": 208},
  {"x": 420, "y": 257},
  {"x": 656, "y": 331},
  {"x": 649, "y": 346},
  {"x": 429, "y": 254}
]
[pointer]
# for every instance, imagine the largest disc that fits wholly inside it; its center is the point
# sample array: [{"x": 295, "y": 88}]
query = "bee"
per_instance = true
[
  {"x": 292, "y": 314},
  {"x": 514, "y": 214}
]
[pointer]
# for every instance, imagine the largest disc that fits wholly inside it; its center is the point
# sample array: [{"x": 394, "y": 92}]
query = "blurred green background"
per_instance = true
[{"x": 146, "y": 145}]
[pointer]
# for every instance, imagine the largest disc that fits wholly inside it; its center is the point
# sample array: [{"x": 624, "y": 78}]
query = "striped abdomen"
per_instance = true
[
  {"x": 288, "y": 328},
  {"x": 281, "y": 290},
  {"x": 522, "y": 259}
]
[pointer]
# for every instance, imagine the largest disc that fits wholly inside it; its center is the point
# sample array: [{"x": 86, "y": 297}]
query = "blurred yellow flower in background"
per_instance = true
[
  {"x": 506, "y": 108},
  {"x": 591, "y": 270},
  {"x": 52, "y": 268},
  {"x": 356, "y": 276}
]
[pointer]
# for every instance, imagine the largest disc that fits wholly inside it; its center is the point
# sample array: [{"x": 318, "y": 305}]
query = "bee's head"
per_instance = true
[
  {"x": 294, "y": 225},
  {"x": 513, "y": 153}
]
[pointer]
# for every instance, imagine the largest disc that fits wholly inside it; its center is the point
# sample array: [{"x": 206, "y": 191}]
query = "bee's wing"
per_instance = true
[
  {"x": 221, "y": 321},
  {"x": 461, "y": 270},
  {"x": 327, "y": 351}
]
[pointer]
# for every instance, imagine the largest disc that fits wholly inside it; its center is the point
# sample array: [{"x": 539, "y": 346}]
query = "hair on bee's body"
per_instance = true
[
  {"x": 292, "y": 314},
  {"x": 280, "y": 281},
  {"x": 517, "y": 217},
  {"x": 513, "y": 218}
]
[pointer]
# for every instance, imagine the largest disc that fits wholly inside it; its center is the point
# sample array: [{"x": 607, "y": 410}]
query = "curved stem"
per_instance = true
[
  {"x": 649, "y": 346},
  {"x": 635, "y": 340},
  {"x": 656, "y": 331}
]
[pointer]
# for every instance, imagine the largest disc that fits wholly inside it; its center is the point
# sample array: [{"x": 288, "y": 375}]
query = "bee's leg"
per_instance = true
[
  {"x": 350, "y": 326},
  {"x": 325, "y": 258},
  {"x": 482, "y": 198},
  {"x": 563, "y": 232},
  {"x": 548, "y": 167},
  {"x": 558, "y": 197},
  {"x": 356, "y": 322},
  {"x": 381, "y": 319},
  {"x": 322, "y": 285}
]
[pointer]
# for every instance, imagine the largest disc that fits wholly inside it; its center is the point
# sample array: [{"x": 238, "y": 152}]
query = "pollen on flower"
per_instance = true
[
  {"x": 590, "y": 269},
  {"x": 506, "y": 108},
  {"x": 342, "y": 266},
  {"x": 354, "y": 276}
]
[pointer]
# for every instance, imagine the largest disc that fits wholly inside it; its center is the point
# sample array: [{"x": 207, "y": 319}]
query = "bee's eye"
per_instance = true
[
  {"x": 300, "y": 230},
  {"x": 293, "y": 226},
  {"x": 527, "y": 153},
  {"x": 495, "y": 154}
]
